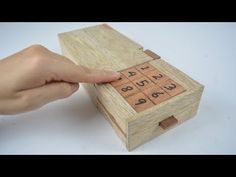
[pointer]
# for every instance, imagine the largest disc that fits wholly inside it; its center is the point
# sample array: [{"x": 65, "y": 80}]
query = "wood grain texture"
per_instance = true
[
  {"x": 153, "y": 129},
  {"x": 141, "y": 127},
  {"x": 102, "y": 47}
]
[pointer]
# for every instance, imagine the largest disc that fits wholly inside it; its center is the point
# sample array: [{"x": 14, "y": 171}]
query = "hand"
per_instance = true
[{"x": 36, "y": 76}]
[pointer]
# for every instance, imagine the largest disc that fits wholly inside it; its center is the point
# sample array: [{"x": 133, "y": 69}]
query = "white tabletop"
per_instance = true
[{"x": 205, "y": 51}]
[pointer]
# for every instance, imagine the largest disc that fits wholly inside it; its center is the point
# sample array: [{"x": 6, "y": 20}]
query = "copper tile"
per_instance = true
[
  {"x": 143, "y": 83},
  {"x": 127, "y": 89},
  {"x": 145, "y": 67},
  {"x": 120, "y": 81},
  {"x": 156, "y": 94},
  {"x": 172, "y": 87},
  {"x": 157, "y": 76},
  {"x": 139, "y": 102},
  {"x": 132, "y": 74}
]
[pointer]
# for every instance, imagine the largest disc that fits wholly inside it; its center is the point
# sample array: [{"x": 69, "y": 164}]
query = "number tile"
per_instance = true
[
  {"x": 122, "y": 80},
  {"x": 143, "y": 83},
  {"x": 156, "y": 94},
  {"x": 145, "y": 67},
  {"x": 127, "y": 89},
  {"x": 157, "y": 76},
  {"x": 132, "y": 74},
  {"x": 172, "y": 87},
  {"x": 139, "y": 102}
]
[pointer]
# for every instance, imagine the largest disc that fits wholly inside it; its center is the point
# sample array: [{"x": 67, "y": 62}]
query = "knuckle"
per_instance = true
[
  {"x": 38, "y": 56},
  {"x": 37, "y": 48}
]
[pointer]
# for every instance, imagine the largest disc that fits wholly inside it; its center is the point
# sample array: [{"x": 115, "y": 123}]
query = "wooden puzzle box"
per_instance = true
[{"x": 150, "y": 98}]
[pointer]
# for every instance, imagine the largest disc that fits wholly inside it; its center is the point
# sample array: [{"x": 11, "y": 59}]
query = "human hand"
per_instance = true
[{"x": 36, "y": 76}]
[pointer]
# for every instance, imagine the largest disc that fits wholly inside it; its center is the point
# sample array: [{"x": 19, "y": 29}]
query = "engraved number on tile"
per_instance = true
[
  {"x": 141, "y": 101},
  {"x": 142, "y": 83},
  {"x": 143, "y": 68},
  {"x": 131, "y": 73},
  {"x": 170, "y": 87},
  {"x": 156, "y": 94},
  {"x": 159, "y": 76},
  {"x": 125, "y": 89}
]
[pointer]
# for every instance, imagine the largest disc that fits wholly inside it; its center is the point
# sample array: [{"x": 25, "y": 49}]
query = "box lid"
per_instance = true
[{"x": 102, "y": 47}]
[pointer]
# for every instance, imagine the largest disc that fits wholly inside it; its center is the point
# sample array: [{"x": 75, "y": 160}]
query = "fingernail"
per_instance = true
[{"x": 115, "y": 74}]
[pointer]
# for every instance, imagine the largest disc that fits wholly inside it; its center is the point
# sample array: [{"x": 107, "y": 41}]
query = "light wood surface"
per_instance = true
[{"x": 102, "y": 47}]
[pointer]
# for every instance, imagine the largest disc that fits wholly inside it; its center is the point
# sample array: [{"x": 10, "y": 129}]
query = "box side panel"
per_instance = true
[
  {"x": 140, "y": 134},
  {"x": 91, "y": 90},
  {"x": 141, "y": 127},
  {"x": 115, "y": 104},
  {"x": 121, "y": 133}
]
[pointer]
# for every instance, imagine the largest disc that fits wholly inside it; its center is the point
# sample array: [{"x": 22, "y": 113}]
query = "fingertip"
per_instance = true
[
  {"x": 111, "y": 76},
  {"x": 116, "y": 75}
]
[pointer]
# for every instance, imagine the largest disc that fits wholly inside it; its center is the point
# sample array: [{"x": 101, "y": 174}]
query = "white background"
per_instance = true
[{"x": 205, "y": 51}]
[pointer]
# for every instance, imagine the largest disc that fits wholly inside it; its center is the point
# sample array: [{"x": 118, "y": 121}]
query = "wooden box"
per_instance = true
[{"x": 151, "y": 97}]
